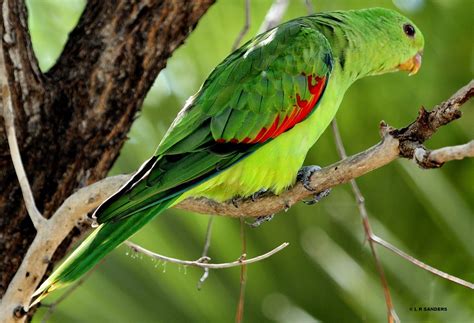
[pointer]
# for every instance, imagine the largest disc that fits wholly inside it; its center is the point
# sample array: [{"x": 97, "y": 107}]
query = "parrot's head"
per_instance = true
[{"x": 394, "y": 42}]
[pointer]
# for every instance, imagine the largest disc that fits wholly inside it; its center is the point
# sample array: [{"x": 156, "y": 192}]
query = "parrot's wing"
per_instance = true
[{"x": 261, "y": 90}]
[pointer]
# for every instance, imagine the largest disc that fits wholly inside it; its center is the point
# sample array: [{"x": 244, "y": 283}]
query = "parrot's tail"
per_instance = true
[{"x": 103, "y": 240}]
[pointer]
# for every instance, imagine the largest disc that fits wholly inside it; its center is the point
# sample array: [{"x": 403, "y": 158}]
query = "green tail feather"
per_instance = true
[{"x": 103, "y": 240}]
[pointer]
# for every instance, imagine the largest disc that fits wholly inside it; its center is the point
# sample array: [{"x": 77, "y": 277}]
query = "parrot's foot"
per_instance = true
[
  {"x": 261, "y": 220},
  {"x": 255, "y": 196},
  {"x": 304, "y": 176},
  {"x": 235, "y": 201},
  {"x": 317, "y": 197}
]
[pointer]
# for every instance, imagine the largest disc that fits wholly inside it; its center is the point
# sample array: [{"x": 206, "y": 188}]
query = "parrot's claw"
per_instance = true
[
  {"x": 304, "y": 176},
  {"x": 236, "y": 201},
  {"x": 258, "y": 194},
  {"x": 261, "y": 220},
  {"x": 317, "y": 197}
]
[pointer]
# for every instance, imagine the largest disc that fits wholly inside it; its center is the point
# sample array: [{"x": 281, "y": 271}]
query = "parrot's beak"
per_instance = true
[{"x": 412, "y": 65}]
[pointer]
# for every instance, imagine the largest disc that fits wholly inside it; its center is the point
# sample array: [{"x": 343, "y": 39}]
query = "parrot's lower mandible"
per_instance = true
[{"x": 253, "y": 121}]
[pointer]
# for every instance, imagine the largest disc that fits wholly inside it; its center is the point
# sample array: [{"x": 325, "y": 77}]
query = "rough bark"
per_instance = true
[{"x": 72, "y": 121}]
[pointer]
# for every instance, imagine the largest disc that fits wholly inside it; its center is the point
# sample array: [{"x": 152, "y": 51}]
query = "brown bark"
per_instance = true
[{"x": 72, "y": 121}]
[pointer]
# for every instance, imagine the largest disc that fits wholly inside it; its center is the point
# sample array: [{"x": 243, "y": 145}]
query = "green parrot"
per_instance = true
[{"x": 251, "y": 124}]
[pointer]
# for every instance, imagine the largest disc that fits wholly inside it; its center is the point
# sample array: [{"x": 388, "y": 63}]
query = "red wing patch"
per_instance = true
[{"x": 301, "y": 110}]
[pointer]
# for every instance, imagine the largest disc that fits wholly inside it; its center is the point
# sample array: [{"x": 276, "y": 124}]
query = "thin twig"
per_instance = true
[
  {"x": 274, "y": 15},
  {"x": 246, "y": 27},
  {"x": 8, "y": 115},
  {"x": 391, "y": 313},
  {"x": 440, "y": 156},
  {"x": 459, "y": 152},
  {"x": 309, "y": 6},
  {"x": 420, "y": 264},
  {"x": 207, "y": 244},
  {"x": 203, "y": 263},
  {"x": 239, "y": 315}
]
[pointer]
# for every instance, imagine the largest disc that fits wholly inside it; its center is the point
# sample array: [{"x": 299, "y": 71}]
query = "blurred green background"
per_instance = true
[{"x": 327, "y": 273}]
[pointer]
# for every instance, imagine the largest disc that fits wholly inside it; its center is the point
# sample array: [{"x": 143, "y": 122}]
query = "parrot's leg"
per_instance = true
[
  {"x": 236, "y": 200},
  {"x": 264, "y": 218},
  {"x": 317, "y": 197},
  {"x": 255, "y": 196},
  {"x": 304, "y": 175}
]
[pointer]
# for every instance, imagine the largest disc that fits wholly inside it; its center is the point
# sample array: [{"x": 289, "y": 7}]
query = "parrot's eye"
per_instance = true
[{"x": 409, "y": 30}]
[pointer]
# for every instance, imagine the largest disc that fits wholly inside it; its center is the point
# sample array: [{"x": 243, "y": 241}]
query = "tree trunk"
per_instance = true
[{"x": 72, "y": 121}]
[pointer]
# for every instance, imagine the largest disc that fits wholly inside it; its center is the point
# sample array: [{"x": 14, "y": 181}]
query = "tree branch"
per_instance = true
[
  {"x": 274, "y": 15},
  {"x": 427, "y": 123},
  {"x": 8, "y": 115},
  {"x": 395, "y": 143},
  {"x": 436, "y": 158},
  {"x": 48, "y": 238}
]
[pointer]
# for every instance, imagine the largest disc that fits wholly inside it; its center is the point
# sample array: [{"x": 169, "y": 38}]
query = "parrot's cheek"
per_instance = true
[{"x": 412, "y": 65}]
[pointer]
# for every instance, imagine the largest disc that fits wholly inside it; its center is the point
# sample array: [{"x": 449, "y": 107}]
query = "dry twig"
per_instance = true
[
  {"x": 239, "y": 315},
  {"x": 309, "y": 6},
  {"x": 436, "y": 158},
  {"x": 207, "y": 244},
  {"x": 246, "y": 26},
  {"x": 274, "y": 15},
  {"x": 391, "y": 313},
  {"x": 420, "y": 264},
  {"x": 8, "y": 115}
]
